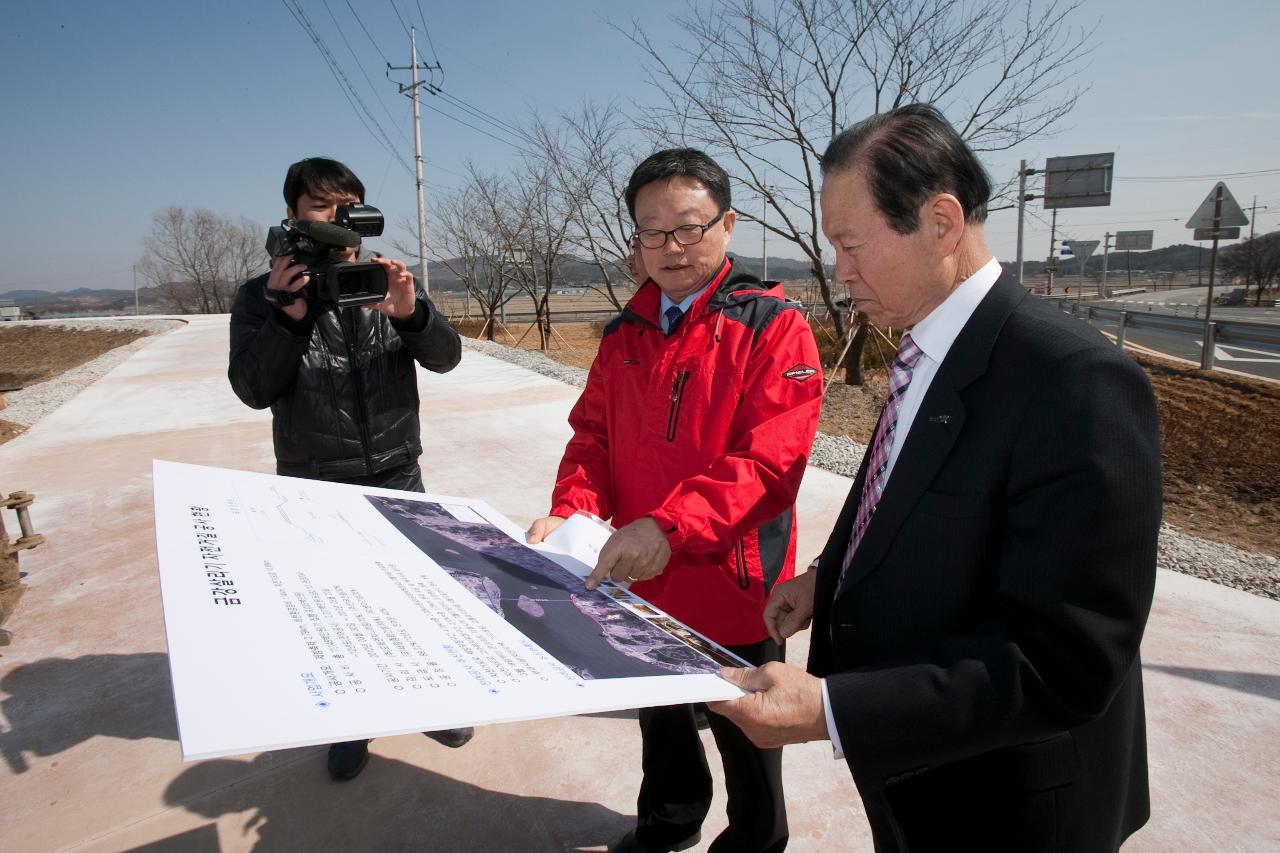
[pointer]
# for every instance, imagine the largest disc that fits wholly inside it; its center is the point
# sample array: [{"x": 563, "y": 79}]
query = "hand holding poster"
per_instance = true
[{"x": 301, "y": 612}]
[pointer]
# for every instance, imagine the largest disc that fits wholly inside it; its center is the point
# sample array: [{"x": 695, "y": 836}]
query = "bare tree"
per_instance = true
[
  {"x": 766, "y": 85},
  {"x": 473, "y": 249},
  {"x": 531, "y": 221},
  {"x": 197, "y": 259},
  {"x": 1257, "y": 261},
  {"x": 590, "y": 158},
  {"x": 548, "y": 219}
]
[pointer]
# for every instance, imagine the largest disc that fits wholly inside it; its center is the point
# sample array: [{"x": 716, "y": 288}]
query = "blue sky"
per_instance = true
[{"x": 116, "y": 110}]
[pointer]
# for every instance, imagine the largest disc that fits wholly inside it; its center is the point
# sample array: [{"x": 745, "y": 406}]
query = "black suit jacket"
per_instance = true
[{"x": 981, "y": 655}]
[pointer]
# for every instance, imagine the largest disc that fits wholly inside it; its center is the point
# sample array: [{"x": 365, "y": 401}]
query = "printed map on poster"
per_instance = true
[{"x": 300, "y": 612}]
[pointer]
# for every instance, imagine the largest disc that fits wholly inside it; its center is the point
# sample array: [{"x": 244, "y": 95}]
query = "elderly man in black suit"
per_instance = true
[{"x": 978, "y": 609}]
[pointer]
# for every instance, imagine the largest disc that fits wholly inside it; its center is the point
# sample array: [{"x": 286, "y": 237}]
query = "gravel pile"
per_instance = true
[
  {"x": 1179, "y": 551},
  {"x": 32, "y": 403},
  {"x": 1218, "y": 562}
]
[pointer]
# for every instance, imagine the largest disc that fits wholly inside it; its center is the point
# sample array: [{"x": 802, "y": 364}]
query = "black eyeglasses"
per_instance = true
[{"x": 686, "y": 235}]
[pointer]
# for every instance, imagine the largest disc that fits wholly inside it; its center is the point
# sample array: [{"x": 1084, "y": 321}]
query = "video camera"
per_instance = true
[{"x": 341, "y": 283}]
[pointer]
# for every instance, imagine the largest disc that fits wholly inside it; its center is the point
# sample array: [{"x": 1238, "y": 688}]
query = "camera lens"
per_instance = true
[{"x": 355, "y": 283}]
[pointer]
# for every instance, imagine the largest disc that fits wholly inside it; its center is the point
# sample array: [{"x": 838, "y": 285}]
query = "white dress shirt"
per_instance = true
[{"x": 934, "y": 335}]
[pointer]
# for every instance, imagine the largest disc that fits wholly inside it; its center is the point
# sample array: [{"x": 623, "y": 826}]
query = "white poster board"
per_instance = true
[{"x": 300, "y": 612}]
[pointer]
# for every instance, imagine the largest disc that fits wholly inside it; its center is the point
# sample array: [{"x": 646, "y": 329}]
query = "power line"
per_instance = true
[
  {"x": 348, "y": 90},
  {"x": 427, "y": 32},
  {"x": 498, "y": 124},
  {"x": 405, "y": 27},
  {"x": 480, "y": 114},
  {"x": 440, "y": 168},
  {"x": 451, "y": 117},
  {"x": 351, "y": 50},
  {"x": 1177, "y": 178},
  {"x": 366, "y": 32}
]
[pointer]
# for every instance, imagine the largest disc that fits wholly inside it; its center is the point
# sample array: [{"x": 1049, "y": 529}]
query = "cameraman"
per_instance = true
[{"x": 341, "y": 383}]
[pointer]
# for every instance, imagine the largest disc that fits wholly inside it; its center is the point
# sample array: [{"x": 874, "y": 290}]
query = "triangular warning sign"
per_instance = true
[
  {"x": 1230, "y": 216},
  {"x": 1082, "y": 249}
]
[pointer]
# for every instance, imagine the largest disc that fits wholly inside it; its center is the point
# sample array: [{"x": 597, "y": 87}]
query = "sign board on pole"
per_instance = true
[
  {"x": 1082, "y": 249},
  {"x": 1230, "y": 215},
  {"x": 1134, "y": 241},
  {"x": 1219, "y": 234},
  {"x": 1079, "y": 181}
]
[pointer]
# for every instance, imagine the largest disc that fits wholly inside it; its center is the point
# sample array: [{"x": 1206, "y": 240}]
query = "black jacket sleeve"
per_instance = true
[
  {"x": 429, "y": 336},
  {"x": 265, "y": 354}
]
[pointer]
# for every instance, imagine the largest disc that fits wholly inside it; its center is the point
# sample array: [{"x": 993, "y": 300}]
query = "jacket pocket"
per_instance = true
[
  {"x": 744, "y": 579},
  {"x": 677, "y": 397}
]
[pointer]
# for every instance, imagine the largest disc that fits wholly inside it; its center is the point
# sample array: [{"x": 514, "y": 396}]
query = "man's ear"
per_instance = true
[
  {"x": 730, "y": 218},
  {"x": 944, "y": 218},
  {"x": 289, "y": 214}
]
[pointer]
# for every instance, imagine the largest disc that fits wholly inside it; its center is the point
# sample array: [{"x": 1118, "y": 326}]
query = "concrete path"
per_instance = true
[{"x": 90, "y": 756}]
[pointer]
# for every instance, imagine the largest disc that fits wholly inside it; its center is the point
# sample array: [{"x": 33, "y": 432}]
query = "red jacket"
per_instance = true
[{"x": 706, "y": 431}]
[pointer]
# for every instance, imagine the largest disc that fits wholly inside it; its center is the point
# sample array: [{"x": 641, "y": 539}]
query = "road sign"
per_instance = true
[
  {"x": 1082, "y": 249},
  {"x": 1219, "y": 234},
  {"x": 1230, "y": 215},
  {"x": 1080, "y": 181},
  {"x": 1133, "y": 241}
]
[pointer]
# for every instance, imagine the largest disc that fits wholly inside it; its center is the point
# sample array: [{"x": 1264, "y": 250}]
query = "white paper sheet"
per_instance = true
[{"x": 299, "y": 612}]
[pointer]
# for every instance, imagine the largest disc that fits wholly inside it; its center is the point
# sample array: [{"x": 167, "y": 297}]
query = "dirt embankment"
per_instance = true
[
  {"x": 32, "y": 354},
  {"x": 1220, "y": 437}
]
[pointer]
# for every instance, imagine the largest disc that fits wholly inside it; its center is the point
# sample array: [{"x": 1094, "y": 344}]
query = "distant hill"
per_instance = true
[
  {"x": 83, "y": 301},
  {"x": 579, "y": 272},
  {"x": 1178, "y": 258}
]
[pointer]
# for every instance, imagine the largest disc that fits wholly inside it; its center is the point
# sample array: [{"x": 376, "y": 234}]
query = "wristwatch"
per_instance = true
[{"x": 279, "y": 298}]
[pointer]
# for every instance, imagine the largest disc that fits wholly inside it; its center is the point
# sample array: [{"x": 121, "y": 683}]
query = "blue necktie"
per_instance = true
[{"x": 674, "y": 315}]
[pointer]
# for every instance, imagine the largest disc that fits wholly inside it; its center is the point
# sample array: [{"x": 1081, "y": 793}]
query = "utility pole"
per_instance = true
[
  {"x": 764, "y": 232},
  {"x": 412, "y": 89},
  {"x": 1023, "y": 198},
  {"x": 1053, "y": 264},
  {"x": 1106, "y": 249},
  {"x": 1253, "y": 217},
  {"x": 135, "y": 290},
  {"x": 764, "y": 243}
]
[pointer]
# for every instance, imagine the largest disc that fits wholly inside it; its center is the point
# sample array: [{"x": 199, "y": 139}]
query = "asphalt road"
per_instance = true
[{"x": 1262, "y": 361}]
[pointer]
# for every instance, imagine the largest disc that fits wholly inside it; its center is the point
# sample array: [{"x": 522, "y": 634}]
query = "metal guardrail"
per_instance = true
[
  {"x": 559, "y": 316},
  {"x": 1235, "y": 332}
]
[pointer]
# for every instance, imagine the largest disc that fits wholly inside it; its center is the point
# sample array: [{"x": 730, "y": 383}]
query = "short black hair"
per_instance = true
[
  {"x": 680, "y": 163},
  {"x": 907, "y": 155},
  {"x": 320, "y": 177}
]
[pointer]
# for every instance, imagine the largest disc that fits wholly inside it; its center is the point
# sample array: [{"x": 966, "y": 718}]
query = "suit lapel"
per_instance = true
[
  {"x": 925, "y": 449},
  {"x": 938, "y": 423}
]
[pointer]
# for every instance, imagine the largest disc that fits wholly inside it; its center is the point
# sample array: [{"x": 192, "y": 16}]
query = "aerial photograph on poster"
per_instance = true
[{"x": 595, "y": 634}]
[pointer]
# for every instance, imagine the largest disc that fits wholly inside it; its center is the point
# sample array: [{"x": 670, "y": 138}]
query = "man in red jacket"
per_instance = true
[{"x": 692, "y": 435}]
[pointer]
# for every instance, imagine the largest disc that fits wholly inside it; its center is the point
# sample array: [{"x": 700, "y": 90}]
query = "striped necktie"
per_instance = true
[{"x": 873, "y": 487}]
